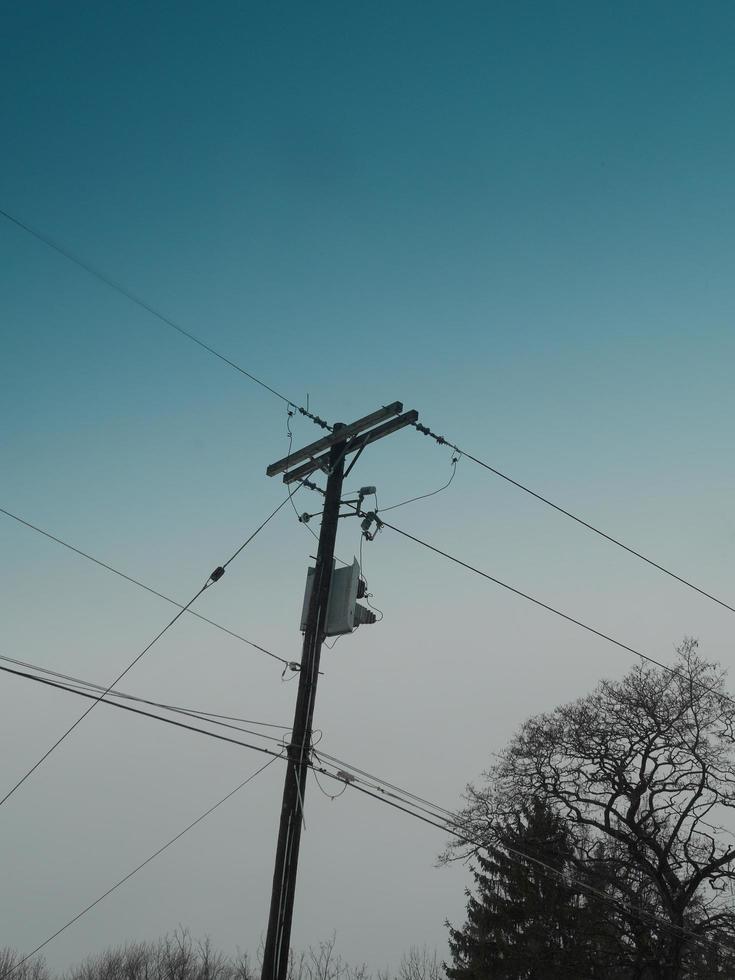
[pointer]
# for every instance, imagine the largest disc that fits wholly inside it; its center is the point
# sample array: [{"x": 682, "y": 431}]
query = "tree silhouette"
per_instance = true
[{"x": 641, "y": 774}]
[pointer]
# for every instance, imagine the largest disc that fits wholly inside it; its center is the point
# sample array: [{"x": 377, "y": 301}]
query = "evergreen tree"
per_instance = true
[{"x": 525, "y": 922}]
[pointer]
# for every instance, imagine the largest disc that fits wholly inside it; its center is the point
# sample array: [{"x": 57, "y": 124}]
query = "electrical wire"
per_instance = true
[
  {"x": 543, "y": 605},
  {"x": 422, "y": 496},
  {"x": 214, "y": 577},
  {"x": 521, "y": 859},
  {"x": 139, "y": 867},
  {"x": 58, "y": 684},
  {"x": 143, "y": 713},
  {"x": 380, "y": 613},
  {"x": 590, "y": 527},
  {"x": 551, "y": 609},
  {"x": 378, "y": 781},
  {"x": 139, "y": 584},
  {"x": 433, "y": 818},
  {"x": 134, "y": 298},
  {"x": 289, "y": 413},
  {"x": 106, "y": 699},
  {"x": 98, "y": 698},
  {"x": 330, "y": 796},
  {"x": 194, "y": 712},
  {"x": 369, "y": 595},
  {"x": 299, "y": 517},
  {"x": 379, "y": 784},
  {"x": 402, "y": 800}
]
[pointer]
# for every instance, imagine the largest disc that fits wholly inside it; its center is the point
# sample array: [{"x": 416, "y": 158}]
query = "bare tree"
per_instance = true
[
  {"x": 322, "y": 962},
  {"x": 32, "y": 969},
  {"x": 178, "y": 956},
  {"x": 642, "y": 769},
  {"x": 175, "y": 957},
  {"x": 419, "y": 963}
]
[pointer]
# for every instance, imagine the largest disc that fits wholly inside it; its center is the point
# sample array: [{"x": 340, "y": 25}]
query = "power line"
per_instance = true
[
  {"x": 340, "y": 776},
  {"x": 98, "y": 698},
  {"x": 73, "y": 687},
  {"x": 135, "y": 870},
  {"x": 378, "y": 781},
  {"x": 548, "y": 608},
  {"x": 194, "y": 712},
  {"x": 450, "y": 825},
  {"x": 538, "y": 602},
  {"x": 142, "y": 585},
  {"x": 57, "y": 683},
  {"x": 520, "y": 858},
  {"x": 214, "y": 577},
  {"x": 134, "y": 298},
  {"x": 402, "y": 800},
  {"x": 590, "y": 527},
  {"x": 140, "y": 711},
  {"x": 128, "y": 294}
]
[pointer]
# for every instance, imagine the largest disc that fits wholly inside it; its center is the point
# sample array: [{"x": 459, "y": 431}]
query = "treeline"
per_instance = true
[{"x": 181, "y": 957}]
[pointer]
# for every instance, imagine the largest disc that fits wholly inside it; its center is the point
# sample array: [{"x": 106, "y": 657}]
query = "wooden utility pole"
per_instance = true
[
  {"x": 327, "y": 454},
  {"x": 278, "y": 938}
]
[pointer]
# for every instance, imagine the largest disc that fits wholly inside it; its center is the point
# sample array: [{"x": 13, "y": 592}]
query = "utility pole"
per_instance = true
[
  {"x": 278, "y": 938},
  {"x": 345, "y": 439}
]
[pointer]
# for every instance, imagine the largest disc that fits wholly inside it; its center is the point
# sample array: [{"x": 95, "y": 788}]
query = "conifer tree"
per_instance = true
[{"x": 525, "y": 922}]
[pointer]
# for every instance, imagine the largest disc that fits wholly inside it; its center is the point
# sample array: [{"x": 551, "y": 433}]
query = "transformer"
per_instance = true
[{"x": 344, "y": 612}]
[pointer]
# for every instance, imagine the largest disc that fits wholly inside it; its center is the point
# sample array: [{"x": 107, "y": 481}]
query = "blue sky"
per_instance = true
[{"x": 517, "y": 219}]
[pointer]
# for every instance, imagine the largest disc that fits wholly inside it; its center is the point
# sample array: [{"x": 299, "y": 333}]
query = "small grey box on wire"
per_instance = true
[{"x": 344, "y": 612}]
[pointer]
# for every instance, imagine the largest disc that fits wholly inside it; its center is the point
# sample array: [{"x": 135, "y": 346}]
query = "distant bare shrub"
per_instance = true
[
  {"x": 175, "y": 957},
  {"x": 179, "y": 957},
  {"x": 420, "y": 964},
  {"x": 33, "y": 969}
]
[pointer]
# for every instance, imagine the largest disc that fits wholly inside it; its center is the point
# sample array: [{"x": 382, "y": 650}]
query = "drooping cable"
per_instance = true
[
  {"x": 369, "y": 595},
  {"x": 423, "y": 496},
  {"x": 289, "y": 435},
  {"x": 324, "y": 792},
  {"x": 139, "y": 584},
  {"x": 377, "y": 782}
]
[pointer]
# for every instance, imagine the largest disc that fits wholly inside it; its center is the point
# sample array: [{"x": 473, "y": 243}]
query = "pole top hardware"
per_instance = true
[
  {"x": 355, "y": 436},
  {"x": 339, "y": 435},
  {"x": 356, "y": 444}
]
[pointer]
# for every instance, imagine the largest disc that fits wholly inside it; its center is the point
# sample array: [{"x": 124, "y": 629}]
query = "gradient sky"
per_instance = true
[{"x": 517, "y": 219}]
